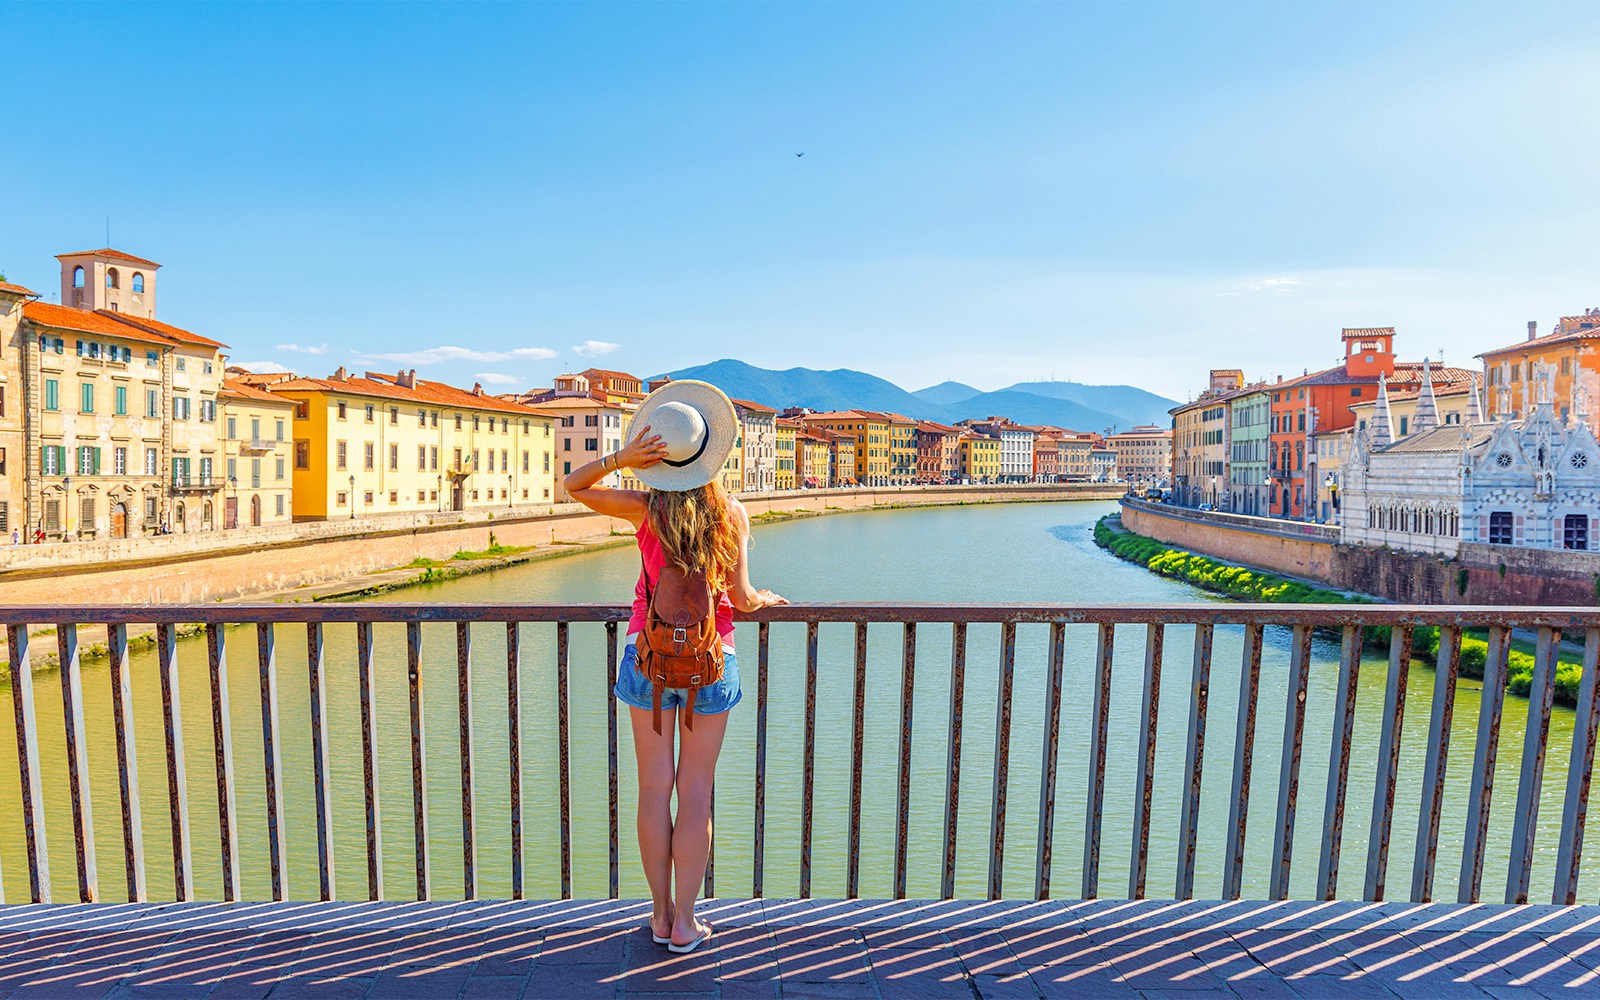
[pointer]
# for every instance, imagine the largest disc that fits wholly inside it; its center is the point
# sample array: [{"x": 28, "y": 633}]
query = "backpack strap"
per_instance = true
[{"x": 656, "y": 695}]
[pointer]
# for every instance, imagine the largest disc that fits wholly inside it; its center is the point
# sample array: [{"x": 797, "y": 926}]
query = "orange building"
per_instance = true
[
  {"x": 938, "y": 451},
  {"x": 1571, "y": 354}
]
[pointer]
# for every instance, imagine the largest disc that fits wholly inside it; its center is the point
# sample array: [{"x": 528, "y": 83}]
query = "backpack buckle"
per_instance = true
[
  {"x": 694, "y": 681},
  {"x": 680, "y": 635}
]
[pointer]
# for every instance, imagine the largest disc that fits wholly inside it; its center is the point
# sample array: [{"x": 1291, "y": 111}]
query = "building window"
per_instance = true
[
  {"x": 88, "y": 398},
  {"x": 279, "y": 502},
  {"x": 366, "y": 498},
  {"x": 591, "y": 444},
  {"x": 119, "y": 461},
  {"x": 278, "y": 468},
  {"x": 422, "y": 418},
  {"x": 77, "y": 277},
  {"x": 255, "y": 428},
  {"x": 1575, "y": 532},
  {"x": 458, "y": 421},
  {"x": 150, "y": 462},
  {"x": 433, "y": 458},
  {"x": 302, "y": 454},
  {"x": 52, "y": 394},
  {"x": 371, "y": 412},
  {"x": 422, "y": 457},
  {"x": 342, "y": 411},
  {"x": 113, "y": 279},
  {"x": 341, "y": 498},
  {"x": 368, "y": 456},
  {"x": 394, "y": 496},
  {"x": 182, "y": 362},
  {"x": 280, "y": 428},
  {"x": 138, "y": 283},
  {"x": 302, "y": 410},
  {"x": 394, "y": 458},
  {"x": 1500, "y": 527},
  {"x": 120, "y": 401},
  {"x": 1405, "y": 426},
  {"x": 152, "y": 359},
  {"x": 180, "y": 407},
  {"x": 341, "y": 452},
  {"x": 208, "y": 411},
  {"x": 394, "y": 416}
]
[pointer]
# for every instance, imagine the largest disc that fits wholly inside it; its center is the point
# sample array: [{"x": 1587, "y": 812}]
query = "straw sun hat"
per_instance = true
[{"x": 698, "y": 425}]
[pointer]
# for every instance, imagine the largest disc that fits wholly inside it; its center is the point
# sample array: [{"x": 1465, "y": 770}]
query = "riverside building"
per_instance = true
[
  {"x": 1144, "y": 455},
  {"x": 110, "y": 428},
  {"x": 389, "y": 444},
  {"x": 1200, "y": 441},
  {"x": 257, "y": 455},
  {"x": 1571, "y": 350},
  {"x": 871, "y": 450}
]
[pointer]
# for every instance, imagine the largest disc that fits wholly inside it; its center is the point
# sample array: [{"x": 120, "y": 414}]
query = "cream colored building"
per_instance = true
[
  {"x": 785, "y": 463},
  {"x": 383, "y": 444},
  {"x": 585, "y": 429},
  {"x": 257, "y": 457},
  {"x": 120, "y": 409},
  {"x": 1144, "y": 455},
  {"x": 758, "y": 435}
]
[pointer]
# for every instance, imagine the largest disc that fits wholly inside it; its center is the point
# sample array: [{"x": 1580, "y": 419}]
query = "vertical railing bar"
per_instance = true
[
  {"x": 1294, "y": 724},
  {"x": 902, "y": 833},
  {"x": 564, "y": 744},
  {"x": 422, "y": 859},
  {"x": 177, "y": 783},
  {"x": 1144, "y": 787},
  {"x": 1535, "y": 742},
  {"x": 1047, "y": 766},
  {"x": 1344, "y": 718},
  {"x": 369, "y": 762},
  {"x": 222, "y": 745},
  {"x": 1243, "y": 763},
  {"x": 1394, "y": 712},
  {"x": 469, "y": 785},
  {"x": 77, "y": 762},
  {"x": 514, "y": 749},
  {"x": 759, "y": 821},
  {"x": 1481, "y": 792},
  {"x": 852, "y": 879},
  {"x": 32, "y": 782},
  {"x": 1194, "y": 758},
  {"x": 127, "y": 761},
  {"x": 952, "y": 798},
  {"x": 317, "y": 680},
  {"x": 1441, "y": 716},
  {"x": 808, "y": 768},
  {"x": 614, "y": 884},
  {"x": 1580, "y": 769},
  {"x": 1099, "y": 729},
  {"x": 1002, "y": 757},
  {"x": 272, "y": 759}
]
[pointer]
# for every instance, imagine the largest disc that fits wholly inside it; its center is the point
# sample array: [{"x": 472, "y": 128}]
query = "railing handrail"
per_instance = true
[{"x": 1219, "y": 613}]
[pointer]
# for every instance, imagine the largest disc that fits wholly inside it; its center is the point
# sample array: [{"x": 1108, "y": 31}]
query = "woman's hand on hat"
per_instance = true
[{"x": 643, "y": 451}]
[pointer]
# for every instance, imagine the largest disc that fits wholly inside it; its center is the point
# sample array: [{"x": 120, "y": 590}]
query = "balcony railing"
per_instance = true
[
  {"x": 195, "y": 482},
  {"x": 1046, "y": 656}
]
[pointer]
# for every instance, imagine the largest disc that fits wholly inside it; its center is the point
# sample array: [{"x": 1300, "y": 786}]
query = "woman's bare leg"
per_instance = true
[
  {"x": 691, "y": 831},
  {"x": 656, "y": 779}
]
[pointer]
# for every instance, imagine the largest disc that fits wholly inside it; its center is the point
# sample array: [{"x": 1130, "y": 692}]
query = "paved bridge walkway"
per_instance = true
[{"x": 822, "y": 949}]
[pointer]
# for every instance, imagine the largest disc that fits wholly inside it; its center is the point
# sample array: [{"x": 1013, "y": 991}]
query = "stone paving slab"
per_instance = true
[{"x": 823, "y": 949}]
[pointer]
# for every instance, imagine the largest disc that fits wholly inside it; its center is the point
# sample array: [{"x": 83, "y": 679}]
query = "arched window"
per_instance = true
[
  {"x": 138, "y": 283},
  {"x": 113, "y": 279},
  {"x": 77, "y": 277}
]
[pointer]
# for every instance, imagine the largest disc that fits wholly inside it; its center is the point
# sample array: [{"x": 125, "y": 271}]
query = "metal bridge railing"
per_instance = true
[{"x": 1550, "y": 624}]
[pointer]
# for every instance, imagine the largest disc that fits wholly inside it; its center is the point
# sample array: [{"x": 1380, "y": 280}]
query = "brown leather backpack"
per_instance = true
[{"x": 679, "y": 646}]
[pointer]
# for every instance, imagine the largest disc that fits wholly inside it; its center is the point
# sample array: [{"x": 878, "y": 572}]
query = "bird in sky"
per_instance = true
[{"x": 799, "y": 154}]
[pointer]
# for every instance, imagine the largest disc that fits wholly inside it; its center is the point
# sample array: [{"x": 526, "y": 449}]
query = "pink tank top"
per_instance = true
[{"x": 654, "y": 559}]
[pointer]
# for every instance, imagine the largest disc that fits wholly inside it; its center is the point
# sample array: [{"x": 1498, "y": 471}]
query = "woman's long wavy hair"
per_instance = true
[{"x": 696, "y": 531}]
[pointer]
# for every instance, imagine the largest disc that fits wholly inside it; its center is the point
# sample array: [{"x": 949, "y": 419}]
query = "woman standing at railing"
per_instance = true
[{"x": 690, "y": 534}]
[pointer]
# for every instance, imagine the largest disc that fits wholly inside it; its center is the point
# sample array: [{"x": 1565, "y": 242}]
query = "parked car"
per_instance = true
[{"x": 1207, "y": 506}]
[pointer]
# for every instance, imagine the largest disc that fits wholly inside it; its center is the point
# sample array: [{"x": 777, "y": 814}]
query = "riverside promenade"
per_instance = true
[{"x": 770, "y": 949}]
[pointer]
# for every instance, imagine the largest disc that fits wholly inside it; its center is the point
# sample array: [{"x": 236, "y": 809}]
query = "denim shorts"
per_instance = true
[{"x": 633, "y": 688}]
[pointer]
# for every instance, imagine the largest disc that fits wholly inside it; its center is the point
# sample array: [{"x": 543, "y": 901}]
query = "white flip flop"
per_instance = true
[{"x": 686, "y": 948}]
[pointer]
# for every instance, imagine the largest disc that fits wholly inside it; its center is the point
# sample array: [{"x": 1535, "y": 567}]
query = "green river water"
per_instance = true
[{"x": 976, "y": 555}]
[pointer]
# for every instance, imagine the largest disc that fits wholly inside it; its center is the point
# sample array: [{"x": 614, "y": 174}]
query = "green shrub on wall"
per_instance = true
[{"x": 1237, "y": 581}]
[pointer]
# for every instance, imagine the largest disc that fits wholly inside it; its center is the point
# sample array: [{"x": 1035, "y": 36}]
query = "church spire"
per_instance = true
[
  {"x": 1474, "y": 407},
  {"x": 1427, "y": 413},
  {"x": 1381, "y": 435}
]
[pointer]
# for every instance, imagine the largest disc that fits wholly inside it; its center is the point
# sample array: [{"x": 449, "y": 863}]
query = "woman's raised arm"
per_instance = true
[{"x": 583, "y": 483}]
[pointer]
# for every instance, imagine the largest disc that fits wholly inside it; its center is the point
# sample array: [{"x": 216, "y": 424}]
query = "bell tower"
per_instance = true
[
  {"x": 1369, "y": 350},
  {"x": 109, "y": 279}
]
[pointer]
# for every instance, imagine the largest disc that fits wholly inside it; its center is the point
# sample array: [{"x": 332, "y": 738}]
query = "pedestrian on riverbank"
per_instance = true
[{"x": 693, "y": 544}]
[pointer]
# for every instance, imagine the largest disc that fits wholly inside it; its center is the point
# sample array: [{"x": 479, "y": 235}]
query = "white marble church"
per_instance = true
[{"x": 1532, "y": 482}]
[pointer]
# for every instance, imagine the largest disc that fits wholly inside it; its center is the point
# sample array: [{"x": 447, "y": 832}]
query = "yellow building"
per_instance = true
[
  {"x": 813, "y": 465},
  {"x": 398, "y": 444},
  {"x": 980, "y": 457},
  {"x": 902, "y": 436},
  {"x": 1568, "y": 357},
  {"x": 784, "y": 442},
  {"x": 873, "y": 447},
  {"x": 257, "y": 451}
]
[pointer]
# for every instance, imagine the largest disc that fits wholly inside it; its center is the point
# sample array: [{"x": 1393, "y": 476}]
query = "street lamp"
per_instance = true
[
  {"x": 438, "y": 491},
  {"x": 233, "y": 484},
  {"x": 66, "y": 517},
  {"x": 508, "y": 493},
  {"x": 352, "y": 498}
]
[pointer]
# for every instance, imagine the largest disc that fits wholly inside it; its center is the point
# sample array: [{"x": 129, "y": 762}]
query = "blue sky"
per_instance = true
[{"x": 992, "y": 193}]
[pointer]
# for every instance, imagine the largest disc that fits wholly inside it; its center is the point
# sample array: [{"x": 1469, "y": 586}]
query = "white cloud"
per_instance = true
[
  {"x": 1274, "y": 284},
  {"x": 434, "y": 355},
  {"x": 260, "y": 367},
  {"x": 594, "y": 348},
  {"x": 496, "y": 378},
  {"x": 303, "y": 349}
]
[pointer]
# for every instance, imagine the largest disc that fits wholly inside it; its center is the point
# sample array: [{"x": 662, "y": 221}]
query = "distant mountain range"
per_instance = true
[{"x": 1062, "y": 404}]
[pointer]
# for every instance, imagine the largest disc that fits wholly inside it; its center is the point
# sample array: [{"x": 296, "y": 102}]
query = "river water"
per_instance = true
[{"x": 982, "y": 554}]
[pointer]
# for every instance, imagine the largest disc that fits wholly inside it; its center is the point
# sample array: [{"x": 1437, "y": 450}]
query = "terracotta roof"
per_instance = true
[
  {"x": 748, "y": 405},
  {"x": 240, "y": 390},
  {"x": 83, "y": 321},
  {"x": 444, "y": 394},
  {"x": 573, "y": 403},
  {"x": 837, "y": 415},
  {"x": 1558, "y": 339},
  {"x": 936, "y": 428},
  {"x": 179, "y": 334},
  {"x": 790, "y": 423},
  {"x": 7, "y": 287},
  {"x": 608, "y": 373},
  {"x": 108, "y": 252}
]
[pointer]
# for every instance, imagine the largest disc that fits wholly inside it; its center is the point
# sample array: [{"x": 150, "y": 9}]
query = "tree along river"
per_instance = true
[{"x": 974, "y": 555}]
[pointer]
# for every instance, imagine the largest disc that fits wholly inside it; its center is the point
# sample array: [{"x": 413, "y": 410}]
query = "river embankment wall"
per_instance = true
[
  {"x": 1478, "y": 574},
  {"x": 222, "y": 565}
]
